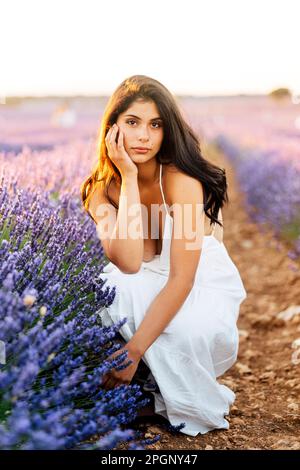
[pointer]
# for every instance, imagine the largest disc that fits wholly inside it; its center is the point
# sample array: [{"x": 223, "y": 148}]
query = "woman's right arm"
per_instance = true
[
  {"x": 126, "y": 245},
  {"x": 123, "y": 245}
]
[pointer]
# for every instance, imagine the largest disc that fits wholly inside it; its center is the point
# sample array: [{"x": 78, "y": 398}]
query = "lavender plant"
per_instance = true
[
  {"x": 272, "y": 189},
  {"x": 56, "y": 347}
]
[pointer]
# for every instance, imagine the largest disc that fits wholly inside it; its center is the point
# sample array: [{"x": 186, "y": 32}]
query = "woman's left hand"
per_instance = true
[{"x": 114, "y": 378}]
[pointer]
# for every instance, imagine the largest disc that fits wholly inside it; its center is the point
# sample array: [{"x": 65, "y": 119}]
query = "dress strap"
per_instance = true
[{"x": 160, "y": 183}]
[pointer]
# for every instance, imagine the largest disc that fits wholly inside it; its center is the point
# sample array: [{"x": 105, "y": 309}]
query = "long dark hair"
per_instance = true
[{"x": 180, "y": 145}]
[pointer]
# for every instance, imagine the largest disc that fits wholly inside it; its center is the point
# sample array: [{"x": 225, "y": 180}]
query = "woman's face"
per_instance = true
[{"x": 142, "y": 127}]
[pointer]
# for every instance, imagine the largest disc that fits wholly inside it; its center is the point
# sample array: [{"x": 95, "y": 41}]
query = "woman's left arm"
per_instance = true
[{"x": 186, "y": 196}]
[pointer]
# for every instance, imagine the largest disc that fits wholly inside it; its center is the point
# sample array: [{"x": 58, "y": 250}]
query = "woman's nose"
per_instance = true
[{"x": 144, "y": 136}]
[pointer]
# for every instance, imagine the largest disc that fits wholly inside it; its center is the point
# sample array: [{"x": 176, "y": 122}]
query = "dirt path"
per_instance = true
[{"x": 266, "y": 413}]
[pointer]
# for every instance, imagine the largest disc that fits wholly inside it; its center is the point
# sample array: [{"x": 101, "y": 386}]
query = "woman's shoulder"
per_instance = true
[
  {"x": 110, "y": 191},
  {"x": 173, "y": 173},
  {"x": 178, "y": 183},
  {"x": 98, "y": 196}
]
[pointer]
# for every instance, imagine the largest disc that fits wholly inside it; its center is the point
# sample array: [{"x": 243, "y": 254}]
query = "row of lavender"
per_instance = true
[
  {"x": 261, "y": 137},
  {"x": 56, "y": 350},
  {"x": 272, "y": 189}
]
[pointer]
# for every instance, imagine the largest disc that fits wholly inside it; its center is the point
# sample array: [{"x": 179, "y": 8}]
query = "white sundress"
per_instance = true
[{"x": 201, "y": 341}]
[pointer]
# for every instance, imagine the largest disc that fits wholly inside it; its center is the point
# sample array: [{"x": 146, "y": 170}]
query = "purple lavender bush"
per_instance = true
[
  {"x": 272, "y": 189},
  {"x": 56, "y": 347}
]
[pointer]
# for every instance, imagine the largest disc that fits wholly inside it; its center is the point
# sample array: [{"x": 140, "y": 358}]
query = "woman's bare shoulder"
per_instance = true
[
  {"x": 175, "y": 176},
  {"x": 180, "y": 187},
  {"x": 170, "y": 168},
  {"x": 98, "y": 196}
]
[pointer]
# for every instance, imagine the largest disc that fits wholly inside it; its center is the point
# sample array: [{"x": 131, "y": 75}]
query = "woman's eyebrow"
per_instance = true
[{"x": 153, "y": 119}]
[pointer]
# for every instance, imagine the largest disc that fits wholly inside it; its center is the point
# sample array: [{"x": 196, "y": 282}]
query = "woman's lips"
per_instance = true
[{"x": 140, "y": 150}]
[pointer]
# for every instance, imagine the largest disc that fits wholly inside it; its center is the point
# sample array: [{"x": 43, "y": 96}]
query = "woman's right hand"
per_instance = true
[{"x": 117, "y": 152}]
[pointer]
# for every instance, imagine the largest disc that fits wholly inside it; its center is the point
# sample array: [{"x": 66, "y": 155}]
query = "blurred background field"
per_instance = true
[{"x": 51, "y": 143}]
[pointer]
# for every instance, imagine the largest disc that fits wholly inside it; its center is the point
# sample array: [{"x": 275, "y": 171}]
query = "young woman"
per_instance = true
[{"x": 180, "y": 291}]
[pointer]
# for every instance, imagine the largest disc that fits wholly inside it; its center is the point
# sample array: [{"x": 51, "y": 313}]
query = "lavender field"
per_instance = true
[
  {"x": 55, "y": 348},
  {"x": 261, "y": 137}
]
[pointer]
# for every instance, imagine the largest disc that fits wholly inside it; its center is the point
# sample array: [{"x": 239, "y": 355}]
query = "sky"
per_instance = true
[{"x": 194, "y": 47}]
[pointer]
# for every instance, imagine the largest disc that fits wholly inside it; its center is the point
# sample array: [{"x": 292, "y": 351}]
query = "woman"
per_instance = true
[{"x": 181, "y": 294}]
